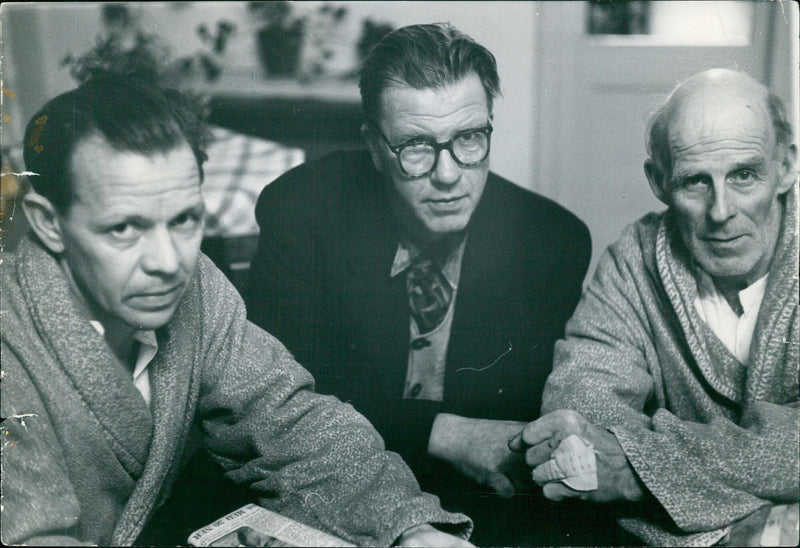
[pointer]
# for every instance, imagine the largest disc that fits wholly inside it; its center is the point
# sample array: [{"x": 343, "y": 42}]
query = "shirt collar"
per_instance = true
[
  {"x": 145, "y": 338},
  {"x": 148, "y": 346},
  {"x": 407, "y": 252},
  {"x": 750, "y": 297}
]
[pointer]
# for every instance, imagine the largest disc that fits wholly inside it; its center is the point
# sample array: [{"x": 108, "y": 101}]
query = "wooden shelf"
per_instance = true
[
  {"x": 254, "y": 84},
  {"x": 320, "y": 116}
]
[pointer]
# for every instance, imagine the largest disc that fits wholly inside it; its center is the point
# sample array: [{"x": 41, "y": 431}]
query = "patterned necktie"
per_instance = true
[{"x": 429, "y": 294}]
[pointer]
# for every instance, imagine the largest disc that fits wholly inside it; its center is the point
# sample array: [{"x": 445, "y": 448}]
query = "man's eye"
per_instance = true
[
  {"x": 416, "y": 152},
  {"x": 123, "y": 231},
  {"x": 472, "y": 141},
  {"x": 186, "y": 221},
  {"x": 742, "y": 176},
  {"x": 694, "y": 181}
]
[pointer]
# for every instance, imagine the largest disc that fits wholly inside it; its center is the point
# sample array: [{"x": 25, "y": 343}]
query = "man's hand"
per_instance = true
[
  {"x": 615, "y": 476},
  {"x": 478, "y": 448},
  {"x": 427, "y": 535}
]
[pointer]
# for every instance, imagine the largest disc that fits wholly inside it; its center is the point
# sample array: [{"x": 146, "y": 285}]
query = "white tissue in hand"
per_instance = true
[{"x": 573, "y": 463}]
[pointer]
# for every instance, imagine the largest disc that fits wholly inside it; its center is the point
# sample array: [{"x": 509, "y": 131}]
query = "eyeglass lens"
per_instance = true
[{"x": 469, "y": 148}]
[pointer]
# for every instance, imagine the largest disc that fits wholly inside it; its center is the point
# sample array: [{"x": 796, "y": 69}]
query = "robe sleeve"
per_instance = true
[
  {"x": 39, "y": 504},
  {"x": 308, "y": 456},
  {"x": 704, "y": 476}
]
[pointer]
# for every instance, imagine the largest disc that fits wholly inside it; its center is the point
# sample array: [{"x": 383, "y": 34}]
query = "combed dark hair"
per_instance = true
[
  {"x": 423, "y": 57},
  {"x": 656, "y": 135},
  {"x": 130, "y": 116}
]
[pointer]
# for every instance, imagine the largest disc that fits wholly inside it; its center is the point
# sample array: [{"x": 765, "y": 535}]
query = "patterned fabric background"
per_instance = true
[{"x": 238, "y": 168}]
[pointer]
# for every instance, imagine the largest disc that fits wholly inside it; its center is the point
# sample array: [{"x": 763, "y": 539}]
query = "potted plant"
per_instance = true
[
  {"x": 279, "y": 40},
  {"x": 125, "y": 48}
]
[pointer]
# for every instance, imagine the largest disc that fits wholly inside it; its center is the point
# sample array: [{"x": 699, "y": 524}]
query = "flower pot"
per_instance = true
[{"x": 279, "y": 48}]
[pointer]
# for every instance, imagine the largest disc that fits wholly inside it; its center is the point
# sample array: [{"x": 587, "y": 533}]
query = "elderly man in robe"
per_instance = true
[{"x": 678, "y": 376}]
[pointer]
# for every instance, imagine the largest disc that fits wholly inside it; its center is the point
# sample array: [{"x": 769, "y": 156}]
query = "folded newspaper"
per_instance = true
[{"x": 252, "y": 525}]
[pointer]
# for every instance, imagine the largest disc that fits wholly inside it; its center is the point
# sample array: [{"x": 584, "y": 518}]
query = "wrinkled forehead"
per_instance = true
[
  {"x": 97, "y": 168},
  {"x": 716, "y": 114}
]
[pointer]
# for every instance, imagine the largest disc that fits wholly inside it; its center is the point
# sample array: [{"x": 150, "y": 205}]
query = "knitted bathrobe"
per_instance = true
[
  {"x": 85, "y": 460},
  {"x": 713, "y": 440}
]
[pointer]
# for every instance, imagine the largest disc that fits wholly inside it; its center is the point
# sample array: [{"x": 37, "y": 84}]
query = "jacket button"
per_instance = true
[{"x": 415, "y": 390}]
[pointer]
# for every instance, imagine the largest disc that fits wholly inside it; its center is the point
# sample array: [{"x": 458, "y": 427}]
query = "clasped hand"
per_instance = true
[
  {"x": 615, "y": 476},
  {"x": 478, "y": 448}
]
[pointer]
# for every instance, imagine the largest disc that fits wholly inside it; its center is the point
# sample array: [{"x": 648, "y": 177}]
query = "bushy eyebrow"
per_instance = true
[
  {"x": 756, "y": 162},
  {"x": 428, "y": 139}
]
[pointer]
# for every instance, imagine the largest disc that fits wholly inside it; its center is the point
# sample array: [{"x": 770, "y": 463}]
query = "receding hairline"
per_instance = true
[
  {"x": 727, "y": 85},
  {"x": 731, "y": 83},
  {"x": 95, "y": 137}
]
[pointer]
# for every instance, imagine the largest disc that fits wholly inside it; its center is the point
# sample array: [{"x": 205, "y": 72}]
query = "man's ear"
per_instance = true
[
  {"x": 788, "y": 174},
  {"x": 657, "y": 180},
  {"x": 373, "y": 144},
  {"x": 44, "y": 220}
]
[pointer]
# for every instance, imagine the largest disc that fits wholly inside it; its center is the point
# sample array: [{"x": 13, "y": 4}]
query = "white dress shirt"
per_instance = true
[
  {"x": 735, "y": 331},
  {"x": 148, "y": 346}
]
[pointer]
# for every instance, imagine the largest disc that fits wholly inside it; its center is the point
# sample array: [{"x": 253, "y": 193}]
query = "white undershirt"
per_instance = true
[
  {"x": 736, "y": 332},
  {"x": 148, "y": 346}
]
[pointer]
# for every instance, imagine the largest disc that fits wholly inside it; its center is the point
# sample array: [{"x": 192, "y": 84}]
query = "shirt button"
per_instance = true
[
  {"x": 415, "y": 390},
  {"x": 419, "y": 344}
]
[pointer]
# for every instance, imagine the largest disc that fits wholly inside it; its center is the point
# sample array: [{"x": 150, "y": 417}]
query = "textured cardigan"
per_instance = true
[
  {"x": 85, "y": 460},
  {"x": 713, "y": 440}
]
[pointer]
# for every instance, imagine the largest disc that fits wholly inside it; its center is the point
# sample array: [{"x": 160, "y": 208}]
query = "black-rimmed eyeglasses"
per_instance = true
[{"x": 419, "y": 157}]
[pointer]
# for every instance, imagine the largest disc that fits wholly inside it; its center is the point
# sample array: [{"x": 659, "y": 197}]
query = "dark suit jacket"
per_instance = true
[{"x": 320, "y": 283}]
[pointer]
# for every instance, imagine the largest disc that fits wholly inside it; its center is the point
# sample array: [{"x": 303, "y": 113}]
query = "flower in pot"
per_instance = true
[{"x": 279, "y": 39}]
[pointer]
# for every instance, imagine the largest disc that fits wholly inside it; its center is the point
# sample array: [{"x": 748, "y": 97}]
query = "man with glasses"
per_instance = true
[{"x": 415, "y": 284}]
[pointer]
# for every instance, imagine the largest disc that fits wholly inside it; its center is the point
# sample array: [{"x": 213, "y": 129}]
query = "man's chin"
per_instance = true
[
  {"x": 732, "y": 267},
  {"x": 446, "y": 228},
  {"x": 151, "y": 320}
]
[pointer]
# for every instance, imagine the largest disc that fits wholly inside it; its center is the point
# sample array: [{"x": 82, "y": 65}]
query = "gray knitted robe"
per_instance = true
[
  {"x": 713, "y": 440},
  {"x": 85, "y": 460}
]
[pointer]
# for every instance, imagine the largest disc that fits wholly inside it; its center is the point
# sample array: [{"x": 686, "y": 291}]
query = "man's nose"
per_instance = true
[
  {"x": 447, "y": 170},
  {"x": 160, "y": 255},
  {"x": 721, "y": 207}
]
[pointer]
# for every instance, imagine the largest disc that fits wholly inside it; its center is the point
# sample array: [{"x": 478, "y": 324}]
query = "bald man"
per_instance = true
[{"x": 679, "y": 371}]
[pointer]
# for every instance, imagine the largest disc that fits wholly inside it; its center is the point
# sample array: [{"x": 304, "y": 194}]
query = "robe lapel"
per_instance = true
[
  {"x": 175, "y": 375},
  {"x": 716, "y": 364},
  {"x": 774, "y": 347},
  {"x": 778, "y": 310},
  {"x": 104, "y": 383}
]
